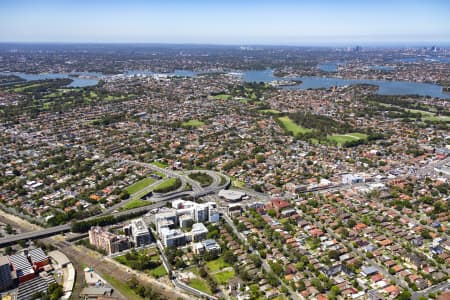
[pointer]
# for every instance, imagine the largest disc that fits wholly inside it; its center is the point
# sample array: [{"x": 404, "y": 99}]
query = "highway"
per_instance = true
[
  {"x": 158, "y": 200},
  {"x": 66, "y": 227},
  {"x": 169, "y": 173},
  {"x": 34, "y": 234},
  {"x": 138, "y": 194}
]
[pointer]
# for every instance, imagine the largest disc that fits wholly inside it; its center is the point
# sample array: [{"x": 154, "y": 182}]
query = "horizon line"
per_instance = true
[{"x": 318, "y": 45}]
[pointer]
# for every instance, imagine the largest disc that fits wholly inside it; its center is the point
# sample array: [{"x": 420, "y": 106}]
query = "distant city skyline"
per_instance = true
[{"x": 283, "y": 22}]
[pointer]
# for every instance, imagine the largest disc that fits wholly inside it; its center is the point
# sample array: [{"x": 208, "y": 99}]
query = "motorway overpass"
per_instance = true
[
  {"x": 34, "y": 234},
  {"x": 46, "y": 232},
  {"x": 158, "y": 199}
]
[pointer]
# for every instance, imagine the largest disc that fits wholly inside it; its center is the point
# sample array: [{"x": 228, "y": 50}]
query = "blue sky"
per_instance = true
[{"x": 227, "y": 22}]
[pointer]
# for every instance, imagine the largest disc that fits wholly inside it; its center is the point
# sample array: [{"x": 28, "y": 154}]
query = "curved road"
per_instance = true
[{"x": 159, "y": 201}]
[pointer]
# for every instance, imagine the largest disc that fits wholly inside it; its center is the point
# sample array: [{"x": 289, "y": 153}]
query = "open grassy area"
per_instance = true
[
  {"x": 340, "y": 139},
  {"x": 122, "y": 287},
  {"x": 224, "y": 276},
  {"x": 291, "y": 127},
  {"x": 160, "y": 164},
  {"x": 426, "y": 115},
  {"x": 135, "y": 203},
  {"x": 435, "y": 118},
  {"x": 237, "y": 183},
  {"x": 222, "y": 97},
  {"x": 217, "y": 264},
  {"x": 53, "y": 95},
  {"x": 270, "y": 111},
  {"x": 167, "y": 185},
  {"x": 429, "y": 116},
  {"x": 158, "y": 272},
  {"x": 201, "y": 285},
  {"x": 162, "y": 175},
  {"x": 141, "y": 184},
  {"x": 143, "y": 262},
  {"x": 193, "y": 123},
  {"x": 47, "y": 105},
  {"x": 26, "y": 87}
]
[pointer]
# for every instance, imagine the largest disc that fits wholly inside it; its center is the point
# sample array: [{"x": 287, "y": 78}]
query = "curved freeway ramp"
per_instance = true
[{"x": 220, "y": 181}]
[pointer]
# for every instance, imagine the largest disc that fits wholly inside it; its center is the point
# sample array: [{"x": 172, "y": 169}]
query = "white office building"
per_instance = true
[
  {"x": 198, "y": 232},
  {"x": 140, "y": 233},
  {"x": 172, "y": 237}
]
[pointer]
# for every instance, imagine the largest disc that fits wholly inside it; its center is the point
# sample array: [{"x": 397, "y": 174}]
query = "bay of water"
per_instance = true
[
  {"x": 308, "y": 82},
  {"x": 77, "y": 81},
  {"x": 385, "y": 87}
]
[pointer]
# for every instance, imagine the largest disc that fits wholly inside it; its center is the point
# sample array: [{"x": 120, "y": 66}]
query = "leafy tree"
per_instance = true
[
  {"x": 351, "y": 223},
  {"x": 241, "y": 227},
  {"x": 9, "y": 250},
  {"x": 277, "y": 268},
  {"x": 271, "y": 212},
  {"x": 333, "y": 254},
  {"x": 405, "y": 295},
  {"x": 229, "y": 257},
  {"x": 9, "y": 229},
  {"x": 124, "y": 195}
]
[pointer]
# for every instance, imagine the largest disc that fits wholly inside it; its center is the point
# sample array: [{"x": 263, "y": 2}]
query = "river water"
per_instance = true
[
  {"x": 309, "y": 82},
  {"x": 385, "y": 87}
]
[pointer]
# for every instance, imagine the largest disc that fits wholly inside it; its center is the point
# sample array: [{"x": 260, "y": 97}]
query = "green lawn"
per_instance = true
[
  {"x": 168, "y": 185},
  {"x": 193, "y": 123},
  {"x": 158, "y": 271},
  {"x": 429, "y": 116},
  {"x": 340, "y": 139},
  {"x": 201, "y": 285},
  {"x": 47, "y": 105},
  {"x": 426, "y": 115},
  {"x": 293, "y": 128},
  {"x": 222, "y": 97},
  {"x": 162, "y": 175},
  {"x": 141, "y": 184},
  {"x": 237, "y": 183},
  {"x": 122, "y": 287},
  {"x": 224, "y": 276},
  {"x": 24, "y": 88},
  {"x": 435, "y": 118},
  {"x": 270, "y": 111},
  {"x": 53, "y": 95},
  {"x": 160, "y": 164},
  {"x": 135, "y": 203},
  {"x": 217, "y": 264}
]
